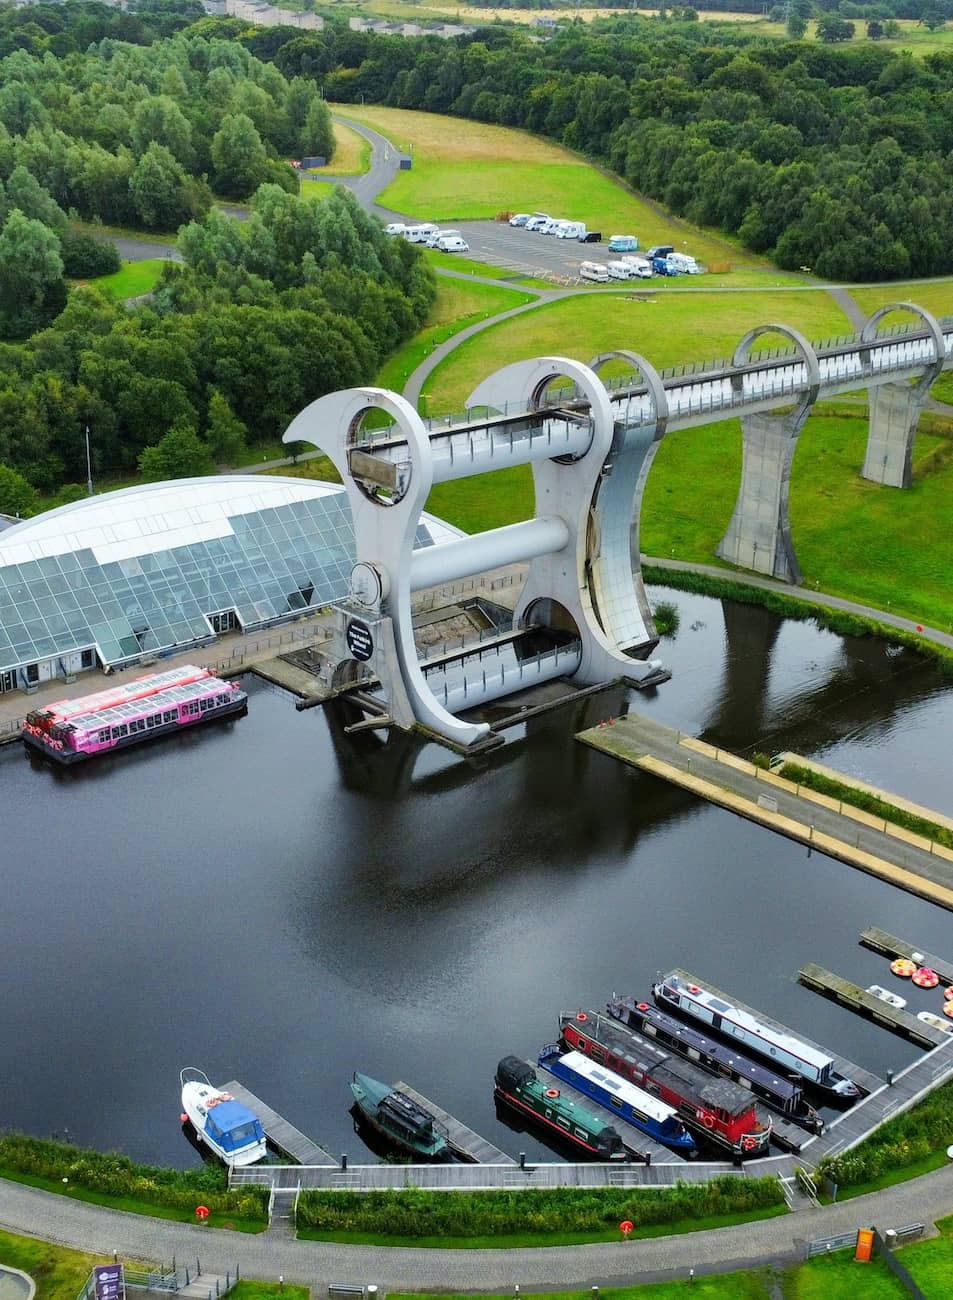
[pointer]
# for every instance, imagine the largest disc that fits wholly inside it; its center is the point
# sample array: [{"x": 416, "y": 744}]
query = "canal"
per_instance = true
[{"x": 276, "y": 902}]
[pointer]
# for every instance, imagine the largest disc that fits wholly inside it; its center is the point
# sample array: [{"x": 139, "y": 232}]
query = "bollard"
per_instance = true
[
  {"x": 522, "y": 1160},
  {"x": 370, "y": 1290},
  {"x": 281, "y": 1281},
  {"x": 344, "y": 1160},
  {"x": 691, "y": 1277},
  {"x": 890, "y": 1236},
  {"x": 890, "y": 1078}
]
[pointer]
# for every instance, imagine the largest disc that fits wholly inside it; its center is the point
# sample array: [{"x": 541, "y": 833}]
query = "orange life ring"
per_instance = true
[
  {"x": 643, "y": 1006},
  {"x": 582, "y": 1017},
  {"x": 552, "y": 1092},
  {"x": 693, "y": 988}
]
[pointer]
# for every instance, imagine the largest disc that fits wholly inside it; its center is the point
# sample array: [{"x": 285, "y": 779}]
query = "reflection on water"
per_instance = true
[{"x": 280, "y": 903}]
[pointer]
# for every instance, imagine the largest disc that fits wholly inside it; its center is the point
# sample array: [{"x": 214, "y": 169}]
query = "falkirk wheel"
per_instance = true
[{"x": 582, "y": 613}]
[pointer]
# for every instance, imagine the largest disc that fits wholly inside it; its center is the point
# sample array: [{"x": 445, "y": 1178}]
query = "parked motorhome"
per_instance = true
[{"x": 594, "y": 271}]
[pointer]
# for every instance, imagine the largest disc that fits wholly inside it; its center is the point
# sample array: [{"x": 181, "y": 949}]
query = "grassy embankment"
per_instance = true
[
  {"x": 473, "y": 171},
  {"x": 132, "y": 279},
  {"x": 117, "y": 1182},
  {"x": 509, "y": 1220},
  {"x": 866, "y": 801}
]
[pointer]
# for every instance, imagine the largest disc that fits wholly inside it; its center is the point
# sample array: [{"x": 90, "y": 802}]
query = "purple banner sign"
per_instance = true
[{"x": 109, "y": 1282}]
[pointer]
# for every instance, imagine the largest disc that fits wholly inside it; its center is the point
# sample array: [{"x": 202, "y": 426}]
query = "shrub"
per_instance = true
[{"x": 903, "y": 1141}]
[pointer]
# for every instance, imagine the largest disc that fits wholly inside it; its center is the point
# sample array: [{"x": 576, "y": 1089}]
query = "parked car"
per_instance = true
[
  {"x": 452, "y": 244},
  {"x": 537, "y": 221},
  {"x": 519, "y": 219},
  {"x": 659, "y": 250},
  {"x": 591, "y": 237},
  {"x": 662, "y": 266},
  {"x": 594, "y": 271},
  {"x": 623, "y": 244},
  {"x": 641, "y": 267}
]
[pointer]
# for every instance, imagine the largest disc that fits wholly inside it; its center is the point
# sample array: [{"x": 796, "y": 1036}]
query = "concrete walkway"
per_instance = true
[{"x": 30, "y": 1212}]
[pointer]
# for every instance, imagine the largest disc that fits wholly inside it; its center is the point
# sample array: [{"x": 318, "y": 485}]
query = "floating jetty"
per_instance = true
[
  {"x": 866, "y": 1081},
  {"x": 463, "y": 1142},
  {"x": 868, "y": 1004},
  {"x": 282, "y": 1135},
  {"x": 888, "y": 944},
  {"x": 636, "y": 1142},
  {"x": 881, "y": 849}
]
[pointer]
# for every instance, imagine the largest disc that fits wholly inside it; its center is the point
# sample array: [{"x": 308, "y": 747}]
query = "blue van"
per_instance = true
[{"x": 662, "y": 266}]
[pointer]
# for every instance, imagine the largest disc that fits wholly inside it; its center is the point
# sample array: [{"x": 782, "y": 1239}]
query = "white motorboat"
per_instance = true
[
  {"x": 937, "y": 1022},
  {"x": 892, "y": 999},
  {"x": 227, "y": 1126}
]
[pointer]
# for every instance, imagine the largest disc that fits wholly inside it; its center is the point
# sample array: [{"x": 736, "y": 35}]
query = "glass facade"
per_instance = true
[{"x": 265, "y": 565}]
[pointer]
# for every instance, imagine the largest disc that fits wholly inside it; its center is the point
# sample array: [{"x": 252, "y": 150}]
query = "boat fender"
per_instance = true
[{"x": 552, "y": 1092}]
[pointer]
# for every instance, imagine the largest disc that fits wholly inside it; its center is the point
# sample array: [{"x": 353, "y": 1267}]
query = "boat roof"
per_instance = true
[
  {"x": 231, "y": 1114},
  {"x": 613, "y": 1083}
]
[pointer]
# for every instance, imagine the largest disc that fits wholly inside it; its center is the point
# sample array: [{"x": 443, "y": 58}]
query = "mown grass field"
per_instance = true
[
  {"x": 59, "y": 1274},
  {"x": 352, "y": 154},
  {"x": 472, "y": 171},
  {"x": 132, "y": 278},
  {"x": 666, "y": 328}
]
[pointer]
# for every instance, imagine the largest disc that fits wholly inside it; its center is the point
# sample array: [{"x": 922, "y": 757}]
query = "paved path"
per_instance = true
[{"x": 30, "y": 1212}]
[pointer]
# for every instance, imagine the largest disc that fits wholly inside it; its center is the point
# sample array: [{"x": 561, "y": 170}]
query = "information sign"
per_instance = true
[
  {"x": 359, "y": 640},
  {"x": 109, "y": 1282}
]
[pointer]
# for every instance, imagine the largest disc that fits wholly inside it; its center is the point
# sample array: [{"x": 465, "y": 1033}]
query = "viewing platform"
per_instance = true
[
  {"x": 464, "y": 1142},
  {"x": 282, "y": 1135},
  {"x": 837, "y": 829},
  {"x": 880, "y": 941},
  {"x": 869, "y": 1005}
]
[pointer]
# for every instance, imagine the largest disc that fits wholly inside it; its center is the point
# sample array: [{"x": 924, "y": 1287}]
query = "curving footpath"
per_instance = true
[{"x": 33, "y": 1213}]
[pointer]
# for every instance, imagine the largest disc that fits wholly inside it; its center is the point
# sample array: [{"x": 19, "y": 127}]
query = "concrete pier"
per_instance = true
[{"x": 838, "y": 830}]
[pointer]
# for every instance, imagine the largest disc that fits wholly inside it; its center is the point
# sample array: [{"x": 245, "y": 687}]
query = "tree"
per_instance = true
[
  {"x": 17, "y": 497},
  {"x": 31, "y": 276},
  {"x": 875, "y": 29},
  {"x": 832, "y": 29},
  {"x": 933, "y": 17},
  {"x": 159, "y": 118},
  {"x": 226, "y": 434},
  {"x": 238, "y": 157},
  {"x": 156, "y": 186},
  {"x": 181, "y": 453}
]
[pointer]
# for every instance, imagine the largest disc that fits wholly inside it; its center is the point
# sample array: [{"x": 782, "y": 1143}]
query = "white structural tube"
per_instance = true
[{"x": 433, "y": 565}]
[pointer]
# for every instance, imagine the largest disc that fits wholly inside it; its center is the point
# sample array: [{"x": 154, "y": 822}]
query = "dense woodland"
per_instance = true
[
  {"x": 819, "y": 155},
  {"x": 836, "y": 158}
]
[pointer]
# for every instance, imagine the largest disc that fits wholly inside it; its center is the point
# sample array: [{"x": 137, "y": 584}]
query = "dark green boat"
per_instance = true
[{"x": 400, "y": 1120}]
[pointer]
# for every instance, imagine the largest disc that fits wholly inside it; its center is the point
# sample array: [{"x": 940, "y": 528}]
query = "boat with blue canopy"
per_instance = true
[{"x": 225, "y": 1125}]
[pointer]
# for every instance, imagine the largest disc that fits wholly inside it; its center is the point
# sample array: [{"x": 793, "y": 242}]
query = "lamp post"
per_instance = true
[{"x": 89, "y": 467}]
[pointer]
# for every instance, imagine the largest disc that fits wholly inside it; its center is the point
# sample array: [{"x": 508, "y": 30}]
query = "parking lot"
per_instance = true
[{"x": 527, "y": 253}]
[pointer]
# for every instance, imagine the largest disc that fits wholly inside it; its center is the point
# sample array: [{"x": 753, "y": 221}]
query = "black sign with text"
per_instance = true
[{"x": 359, "y": 640}]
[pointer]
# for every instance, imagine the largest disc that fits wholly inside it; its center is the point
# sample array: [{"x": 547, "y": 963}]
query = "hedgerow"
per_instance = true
[{"x": 905, "y": 1140}]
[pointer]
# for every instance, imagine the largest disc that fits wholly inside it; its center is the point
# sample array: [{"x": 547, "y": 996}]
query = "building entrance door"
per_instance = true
[{"x": 7, "y": 682}]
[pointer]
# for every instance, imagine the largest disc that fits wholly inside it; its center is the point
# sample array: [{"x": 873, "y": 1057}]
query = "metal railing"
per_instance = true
[{"x": 824, "y": 1245}]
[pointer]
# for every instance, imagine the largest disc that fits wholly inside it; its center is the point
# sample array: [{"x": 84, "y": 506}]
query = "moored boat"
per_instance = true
[
  {"x": 784, "y": 1049},
  {"x": 649, "y": 1114},
  {"x": 717, "y": 1110},
  {"x": 518, "y": 1085},
  {"x": 225, "y": 1125},
  {"x": 399, "y": 1119},
  {"x": 71, "y": 731},
  {"x": 780, "y": 1093},
  {"x": 891, "y": 999}
]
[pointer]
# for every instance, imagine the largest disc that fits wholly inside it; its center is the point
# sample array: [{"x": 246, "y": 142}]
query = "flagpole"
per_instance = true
[{"x": 89, "y": 467}]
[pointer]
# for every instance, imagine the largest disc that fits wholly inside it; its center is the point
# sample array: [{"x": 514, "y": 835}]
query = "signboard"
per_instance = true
[
  {"x": 359, "y": 640},
  {"x": 108, "y": 1281},
  {"x": 865, "y": 1242}
]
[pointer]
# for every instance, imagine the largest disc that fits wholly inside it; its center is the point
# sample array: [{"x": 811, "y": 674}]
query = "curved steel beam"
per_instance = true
[
  {"x": 869, "y": 333},
  {"x": 653, "y": 382}
]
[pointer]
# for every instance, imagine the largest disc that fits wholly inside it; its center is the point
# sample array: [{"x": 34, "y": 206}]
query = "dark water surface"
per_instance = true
[{"x": 275, "y": 902}]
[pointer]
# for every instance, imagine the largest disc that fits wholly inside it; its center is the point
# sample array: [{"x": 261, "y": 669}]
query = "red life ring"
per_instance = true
[
  {"x": 693, "y": 988},
  {"x": 552, "y": 1092},
  {"x": 749, "y": 1143},
  {"x": 582, "y": 1017},
  {"x": 707, "y": 1118},
  {"x": 644, "y": 1006}
]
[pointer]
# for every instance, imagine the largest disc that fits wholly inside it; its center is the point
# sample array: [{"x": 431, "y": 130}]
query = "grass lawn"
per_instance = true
[
  {"x": 314, "y": 191},
  {"x": 935, "y": 295},
  {"x": 268, "y": 1291},
  {"x": 670, "y": 328},
  {"x": 471, "y": 170},
  {"x": 352, "y": 154},
  {"x": 59, "y": 1274},
  {"x": 457, "y": 305},
  {"x": 132, "y": 279}
]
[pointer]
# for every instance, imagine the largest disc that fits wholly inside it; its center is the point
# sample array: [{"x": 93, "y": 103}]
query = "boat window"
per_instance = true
[
  {"x": 597, "y": 1053},
  {"x": 562, "y": 1122},
  {"x": 105, "y": 735},
  {"x": 192, "y": 708},
  {"x": 581, "y": 1133},
  {"x": 616, "y": 1102},
  {"x": 717, "y": 1005},
  {"x": 170, "y": 715}
]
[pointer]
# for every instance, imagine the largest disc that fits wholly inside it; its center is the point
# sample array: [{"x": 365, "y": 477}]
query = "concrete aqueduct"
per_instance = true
[{"x": 583, "y": 611}]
